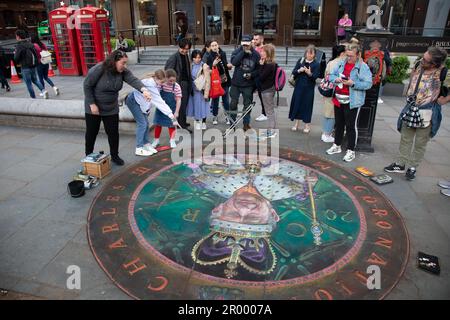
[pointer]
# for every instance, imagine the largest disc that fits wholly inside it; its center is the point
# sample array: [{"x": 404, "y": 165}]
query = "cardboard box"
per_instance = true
[{"x": 98, "y": 169}]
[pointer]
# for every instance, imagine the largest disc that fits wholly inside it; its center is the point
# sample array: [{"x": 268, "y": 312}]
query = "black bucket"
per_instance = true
[{"x": 76, "y": 188}]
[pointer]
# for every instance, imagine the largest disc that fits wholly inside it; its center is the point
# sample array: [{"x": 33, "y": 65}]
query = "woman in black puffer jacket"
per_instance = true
[{"x": 218, "y": 58}]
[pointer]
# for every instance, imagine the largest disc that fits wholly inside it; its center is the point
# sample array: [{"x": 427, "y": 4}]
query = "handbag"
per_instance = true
[
  {"x": 326, "y": 87},
  {"x": 46, "y": 57},
  {"x": 216, "y": 90},
  {"x": 426, "y": 115},
  {"x": 412, "y": 116},
  {"x": 223, "y": 78},
  {"x": 200, "y": 81},
  {"x": 292, "y": 80}
]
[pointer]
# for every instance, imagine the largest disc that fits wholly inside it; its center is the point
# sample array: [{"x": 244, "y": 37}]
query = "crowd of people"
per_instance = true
[
  {"x": 34, "y": 59},
  {"x": 182, "y": 90}
]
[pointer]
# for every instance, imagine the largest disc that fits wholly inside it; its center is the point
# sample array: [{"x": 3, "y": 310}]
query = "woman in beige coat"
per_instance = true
[{"x": 328, "y": 107}]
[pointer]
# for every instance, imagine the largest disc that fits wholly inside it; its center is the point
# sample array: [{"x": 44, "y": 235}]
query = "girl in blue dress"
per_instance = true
[{"x": 198, "y": 106}]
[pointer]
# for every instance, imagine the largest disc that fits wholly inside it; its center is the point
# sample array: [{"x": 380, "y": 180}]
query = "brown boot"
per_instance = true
[{"x": 246, "y": 127}]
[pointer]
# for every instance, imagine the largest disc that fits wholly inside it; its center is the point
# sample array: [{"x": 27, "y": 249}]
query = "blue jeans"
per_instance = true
[
  {"x": 225, "y": 100},
  {"x": 141, "y": 121},
  {"x": 42, "y": 70},
  {"x": 29, "y": 76},
  {"x": 328, "y": 125}
]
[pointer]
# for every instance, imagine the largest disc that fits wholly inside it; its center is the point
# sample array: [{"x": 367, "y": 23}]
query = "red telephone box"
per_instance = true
[
  {"x": 65, "y": 41},
  {"x": 93, "y": 36}
]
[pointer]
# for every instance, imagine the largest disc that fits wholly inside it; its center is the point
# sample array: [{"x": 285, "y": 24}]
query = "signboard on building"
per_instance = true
[{"x": 417, "y": 44}]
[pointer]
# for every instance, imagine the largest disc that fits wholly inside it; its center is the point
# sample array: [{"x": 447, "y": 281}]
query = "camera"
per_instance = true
[{"x": 247, "y": 75}]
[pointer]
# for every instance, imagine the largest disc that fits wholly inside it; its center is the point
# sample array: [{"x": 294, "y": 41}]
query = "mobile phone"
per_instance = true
[{"x": 343, "y": 77}]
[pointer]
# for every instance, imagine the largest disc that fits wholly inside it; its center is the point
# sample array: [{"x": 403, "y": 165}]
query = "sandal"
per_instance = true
[
  {"x": 294, "y": 128},
  {"x": 306, "y": 130}
]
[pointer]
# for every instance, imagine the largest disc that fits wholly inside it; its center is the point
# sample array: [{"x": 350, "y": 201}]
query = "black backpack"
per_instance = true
[{"x": 30, "y": 57}]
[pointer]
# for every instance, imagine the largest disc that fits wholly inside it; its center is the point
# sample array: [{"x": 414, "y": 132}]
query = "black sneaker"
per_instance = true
[
  {"x": 117, "y": 160},
  {"x": 410, "y": 173},
  {"x": 395, "y": 167}
]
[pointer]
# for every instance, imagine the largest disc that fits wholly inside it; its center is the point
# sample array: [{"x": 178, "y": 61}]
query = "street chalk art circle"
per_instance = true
[{"x": 230, "y": 230}]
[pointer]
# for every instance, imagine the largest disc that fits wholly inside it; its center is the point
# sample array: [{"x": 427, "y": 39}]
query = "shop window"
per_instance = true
[
  {"x": 183, "y": 17},
  {"x": 265, "y": 16},
  {"x": 213, "y": 17},
  {"x": 307, "y": 16},
  {"x": 9, "y": 18}
]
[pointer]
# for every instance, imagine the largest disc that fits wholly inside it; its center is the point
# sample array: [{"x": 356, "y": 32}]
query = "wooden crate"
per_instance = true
[{"x": 98, "y": 169}]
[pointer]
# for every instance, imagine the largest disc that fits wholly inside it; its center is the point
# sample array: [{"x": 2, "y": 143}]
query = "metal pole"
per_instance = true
[
  {"x": 391, "y": 11},
  {"x": 287, "y": 54}
]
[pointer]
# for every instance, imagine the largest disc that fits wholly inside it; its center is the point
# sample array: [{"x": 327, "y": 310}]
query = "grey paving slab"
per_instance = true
[
  {"x": 15, "y": 154},
  {"x": 8, "y": 186},
  {"x": 16, "y": 211},
  {"x": 68, "y": 209},
  {"x": 42, "y": 290},
  {"x": 15, "y": 138},
  {"x": 32, "y": 247},
  {"x": 55, "y": 184},
  {"x": 91, "y": 276},
  {"x": 8, "y": 282},
  {"x": 55, "y": 154},
  {"x": 26, "y": 171}
]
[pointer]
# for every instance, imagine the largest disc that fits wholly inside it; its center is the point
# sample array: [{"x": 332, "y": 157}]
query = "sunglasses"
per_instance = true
[{"x": 119, "y": 55}]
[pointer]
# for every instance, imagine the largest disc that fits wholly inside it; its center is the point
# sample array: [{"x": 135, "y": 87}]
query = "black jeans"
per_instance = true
[
  {"x": 111, "y": 125},
  {"x": 186, "y": 87},
  {"x": 347, "y": 119},
  {"x": 247, "y": 95},
  {"x": 3, "y": 80}
]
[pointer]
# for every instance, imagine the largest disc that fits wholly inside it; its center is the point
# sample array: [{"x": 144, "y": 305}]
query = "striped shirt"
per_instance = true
[{"x": 167, "y": 87}]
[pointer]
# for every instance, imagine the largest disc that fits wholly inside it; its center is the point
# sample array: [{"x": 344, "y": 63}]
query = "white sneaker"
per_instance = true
[
  {"x": 56, "y": 90},
  {"x": 334, "y": 149},
  {"x": 198, "y": 125},
  {"x": 204, "y": 126},
  {"x": 261, "y": 118},
  {"x": 150, "y": 148},
  {"x": 327, "y": 138},
  {"x": 349, "y": 156},
  {"x": 173, "y": 144},
  {"x": 380, "y": 101},
  {"x": 228, "y": 121},
  {"x": 155, "y": 143},
  {"x": 215, "y": 121},
  {"x": 271, "y": 134},
  {"x": 143, "y": 152},
  {"x": 44, "y": 94}
]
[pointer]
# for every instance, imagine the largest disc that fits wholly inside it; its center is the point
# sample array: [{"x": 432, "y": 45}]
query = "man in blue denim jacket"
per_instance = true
[{"x": 352, "y": 78}]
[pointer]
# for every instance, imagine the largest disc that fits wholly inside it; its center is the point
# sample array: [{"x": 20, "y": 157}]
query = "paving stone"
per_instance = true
[
  {"x": 26, "y": 171},
  {"x": 8, "y": 186},
  {"x": 32, "y": 247}
]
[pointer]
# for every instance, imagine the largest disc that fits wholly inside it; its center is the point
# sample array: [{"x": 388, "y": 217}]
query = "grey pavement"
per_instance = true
[{"x": 43, "y": 230}]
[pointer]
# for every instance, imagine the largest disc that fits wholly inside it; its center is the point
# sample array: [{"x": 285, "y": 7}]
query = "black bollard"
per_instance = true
[{"x": 371, "y": 40}]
